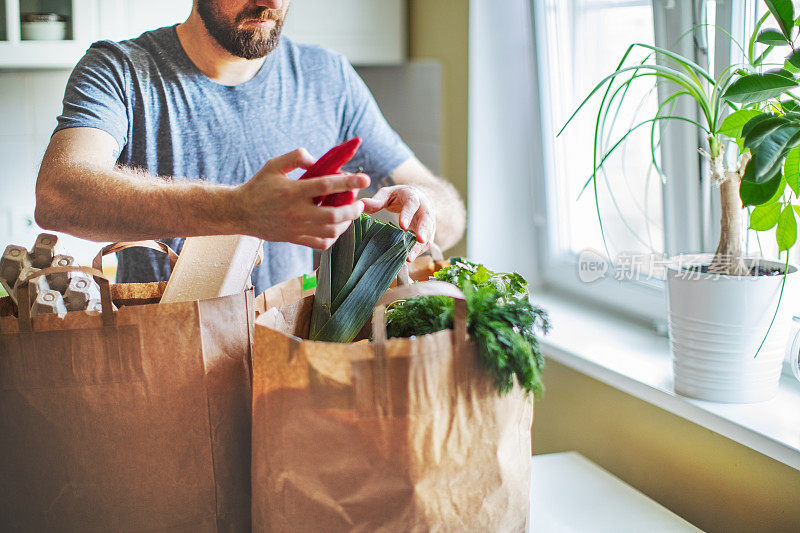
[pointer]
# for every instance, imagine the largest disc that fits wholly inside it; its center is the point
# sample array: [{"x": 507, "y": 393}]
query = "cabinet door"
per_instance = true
[
  {"x": 16, "y": 52},
  {"x": 143, "y": 15},
  {"x": 367, "y": 32},
  {"x": 125, "y": 19}
]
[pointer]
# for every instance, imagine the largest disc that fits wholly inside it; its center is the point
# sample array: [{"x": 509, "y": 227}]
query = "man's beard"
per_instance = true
[{"x": 248, "y": 44}]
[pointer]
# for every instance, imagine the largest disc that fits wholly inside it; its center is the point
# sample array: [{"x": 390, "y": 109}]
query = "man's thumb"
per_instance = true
[{"x": 377, "y": 202}]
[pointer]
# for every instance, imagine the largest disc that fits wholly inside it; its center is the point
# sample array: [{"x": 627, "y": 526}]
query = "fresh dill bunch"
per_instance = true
[
  {"x": 506, "y": 336},
  {"x": 419, "y": 316},
  {"x": 501, "y": 320}
]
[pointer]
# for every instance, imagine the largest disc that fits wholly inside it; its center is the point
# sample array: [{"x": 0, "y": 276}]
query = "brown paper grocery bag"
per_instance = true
[
  {"x": 397, "y": 435},
  {"x": 136, "y": 419}
]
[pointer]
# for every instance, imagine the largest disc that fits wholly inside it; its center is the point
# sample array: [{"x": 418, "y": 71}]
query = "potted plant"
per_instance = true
[{"x": 728, "y": 317}]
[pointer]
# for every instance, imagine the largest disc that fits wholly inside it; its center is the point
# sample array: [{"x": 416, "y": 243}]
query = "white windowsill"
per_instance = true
[{"x": 634, "y": 359}]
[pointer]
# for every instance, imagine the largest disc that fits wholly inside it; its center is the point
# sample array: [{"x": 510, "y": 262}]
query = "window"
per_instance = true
[
  {"x": 629, "y": 191},
  {"x": 578, "y": 43}
]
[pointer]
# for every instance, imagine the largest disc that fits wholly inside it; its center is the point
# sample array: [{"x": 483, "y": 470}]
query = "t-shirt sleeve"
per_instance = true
[
  {"x": 95, "y": 96},
  {"x": 381, "y": 149}
]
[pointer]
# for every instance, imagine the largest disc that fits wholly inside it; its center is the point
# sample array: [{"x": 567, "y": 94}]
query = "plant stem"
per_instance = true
[{"x": 729, "y": 257}]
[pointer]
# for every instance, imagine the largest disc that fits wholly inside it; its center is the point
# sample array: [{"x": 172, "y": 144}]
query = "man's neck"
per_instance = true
[{"x": 214, "y": 61}]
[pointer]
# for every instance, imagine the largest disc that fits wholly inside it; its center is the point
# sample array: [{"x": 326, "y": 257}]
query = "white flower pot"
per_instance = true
[{"x": 716, "y": 324}]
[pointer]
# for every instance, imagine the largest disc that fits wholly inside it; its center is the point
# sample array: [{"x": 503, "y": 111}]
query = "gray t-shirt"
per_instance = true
[{"x": 171, "y": 120}]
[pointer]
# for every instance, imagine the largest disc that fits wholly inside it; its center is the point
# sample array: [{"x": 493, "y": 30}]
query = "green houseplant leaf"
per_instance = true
[
  {"x": 760, "y": 128},
  {"x": 784, "y": 13},
  {"x": 770, "y": 140},
  {"x": 786, "y": 233},
  {"x": 733, "y": 123},
  {"x": 767, "y": 159},
  {"x": 765, "y": 216},
  {"x": 753, "y": 88},
  {"x": 794, "y": 58},
  {"x": 790, "y": 105},
  {"x": 771, "y": 36},
  {"x": 753, "y": 193},
  {"x": 791, "y": 170},
  {"x": 755, "y": 122},
  {"x": 791, "y": 68},
  {"x": 778, "y": 194}
]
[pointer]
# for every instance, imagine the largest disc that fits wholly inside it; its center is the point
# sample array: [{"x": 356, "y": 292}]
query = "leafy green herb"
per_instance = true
[
  {"x": 512, "y": 285},
  {"x": 500, "y": 319}
]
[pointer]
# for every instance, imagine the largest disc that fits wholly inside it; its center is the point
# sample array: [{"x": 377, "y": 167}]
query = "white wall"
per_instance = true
[
  {"x": 30, "y": 101},
  {"x": 410, "y": 97},
  {"x": 503, "y": 145}
]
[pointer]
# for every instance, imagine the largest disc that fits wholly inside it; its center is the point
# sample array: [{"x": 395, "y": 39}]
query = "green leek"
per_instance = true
[{"x": 353, "y": 275}]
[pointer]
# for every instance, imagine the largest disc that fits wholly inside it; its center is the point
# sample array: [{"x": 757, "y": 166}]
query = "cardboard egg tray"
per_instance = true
[{"x": 58, "y": 292}]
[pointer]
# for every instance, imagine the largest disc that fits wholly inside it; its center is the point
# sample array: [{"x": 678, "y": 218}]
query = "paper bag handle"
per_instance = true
[
  {"x": 424, "y": 288},
  {"x": 403, "y": 276},
  {"x": 436, "y": 252},
  {"x": 23, "y": 294},
  {"x": 115, "y": 247}
]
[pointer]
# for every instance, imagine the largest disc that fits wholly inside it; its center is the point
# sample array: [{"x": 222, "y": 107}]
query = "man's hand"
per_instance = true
[
  {"x": 415, "y": 213},
  {"x": 280, "y": 209}
]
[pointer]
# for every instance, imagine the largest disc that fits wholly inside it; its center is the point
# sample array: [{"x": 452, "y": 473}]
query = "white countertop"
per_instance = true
[{"x": 570, "y": 493}]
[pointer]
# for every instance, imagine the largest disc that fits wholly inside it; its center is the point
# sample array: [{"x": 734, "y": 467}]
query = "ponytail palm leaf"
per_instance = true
[
  {"x": 763, "y": 118},
  {"x": 744, "y": 92}
]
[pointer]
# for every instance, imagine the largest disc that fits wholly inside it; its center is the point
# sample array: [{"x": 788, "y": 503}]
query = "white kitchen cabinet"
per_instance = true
[
  {"x": 82, "y": 27},
  {"x": 125, "y": 19},
  {"x": 368, "y": 32},
  {"x": 88, "y": 21}
]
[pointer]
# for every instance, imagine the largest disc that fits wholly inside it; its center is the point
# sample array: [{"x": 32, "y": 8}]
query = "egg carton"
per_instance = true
[{"x": 55, "y": 293}]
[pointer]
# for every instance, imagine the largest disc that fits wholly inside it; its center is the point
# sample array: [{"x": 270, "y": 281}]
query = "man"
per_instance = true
[{"x": 180, "y": 132}]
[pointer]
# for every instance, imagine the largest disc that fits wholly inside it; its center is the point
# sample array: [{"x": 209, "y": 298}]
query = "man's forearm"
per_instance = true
[
  {"x": 80, "y": 191},
  {"x": 444, "y": 201},
  {"x": 118, "y": 204},
  {"x": 450, "y": 212}
]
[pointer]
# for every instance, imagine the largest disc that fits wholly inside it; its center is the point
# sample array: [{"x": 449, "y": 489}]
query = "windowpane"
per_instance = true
[{"x": 584, "y": 41}]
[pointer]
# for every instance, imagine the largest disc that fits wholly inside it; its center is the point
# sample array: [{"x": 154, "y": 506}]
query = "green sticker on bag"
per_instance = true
[{"x": 309, "y": 281}]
